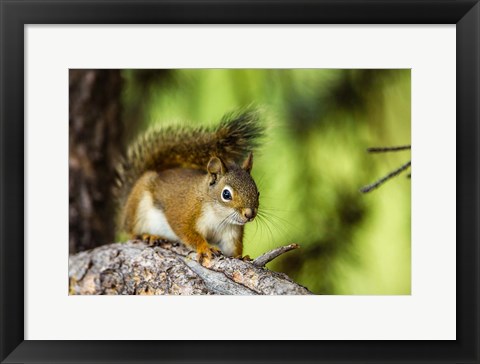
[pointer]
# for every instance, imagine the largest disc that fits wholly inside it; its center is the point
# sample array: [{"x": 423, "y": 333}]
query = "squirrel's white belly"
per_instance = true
[
  {"x": 217, "y": 231},
  {"x": 227, "y": 242},
  {"x": 153, "y": 221}
]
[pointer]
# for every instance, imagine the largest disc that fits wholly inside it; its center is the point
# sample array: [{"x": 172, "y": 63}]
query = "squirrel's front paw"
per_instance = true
[
  {"x": 215, "y": 251},
  {"x": 205, "y": 255}
]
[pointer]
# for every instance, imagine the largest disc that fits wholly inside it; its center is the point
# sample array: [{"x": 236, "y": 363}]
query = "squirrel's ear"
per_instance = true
[
  {"x": 215, "y": 167},
  {"x": 248, "y": 162}
]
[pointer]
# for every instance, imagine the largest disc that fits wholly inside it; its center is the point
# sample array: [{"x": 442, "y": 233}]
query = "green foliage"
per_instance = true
[{"x": 311, "y": 166}]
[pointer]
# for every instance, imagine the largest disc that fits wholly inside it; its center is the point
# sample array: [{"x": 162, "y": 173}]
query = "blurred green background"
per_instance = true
[{"x": 311, "y": 166}]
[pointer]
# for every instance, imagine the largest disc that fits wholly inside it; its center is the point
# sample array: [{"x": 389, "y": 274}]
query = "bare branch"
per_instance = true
[
  {"x": 382, "y": 180},
  {"x": 262, "y": 260},
  {"x": 389, "y": 149}
]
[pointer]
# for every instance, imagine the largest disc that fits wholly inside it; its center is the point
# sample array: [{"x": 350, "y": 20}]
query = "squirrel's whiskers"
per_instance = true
[{"x": 266, "y": 218}]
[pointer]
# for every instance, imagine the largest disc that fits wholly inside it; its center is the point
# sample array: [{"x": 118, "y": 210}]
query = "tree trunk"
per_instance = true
[
  {"x": 136, "y": 268},
  {"x": 94, "y": 143}
]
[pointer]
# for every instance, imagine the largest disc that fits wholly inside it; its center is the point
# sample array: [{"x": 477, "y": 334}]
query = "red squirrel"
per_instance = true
[{"x": 193, "y": 185}]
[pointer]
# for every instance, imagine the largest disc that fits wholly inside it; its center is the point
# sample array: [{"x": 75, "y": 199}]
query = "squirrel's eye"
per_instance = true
[{"x": 226, "y": 195}]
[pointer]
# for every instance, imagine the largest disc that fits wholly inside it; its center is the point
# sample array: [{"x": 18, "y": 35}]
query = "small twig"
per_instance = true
[
  {"x": 262, "y": 260},
  {"x": 389, "y": 149},
  {"x": 392, "y": 174}
]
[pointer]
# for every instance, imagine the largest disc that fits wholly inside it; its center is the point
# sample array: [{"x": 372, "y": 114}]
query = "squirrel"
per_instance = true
[{"x": 192, "y": 185}]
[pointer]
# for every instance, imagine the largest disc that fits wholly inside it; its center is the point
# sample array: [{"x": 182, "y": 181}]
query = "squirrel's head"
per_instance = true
[{"x": 233, "y": 189}]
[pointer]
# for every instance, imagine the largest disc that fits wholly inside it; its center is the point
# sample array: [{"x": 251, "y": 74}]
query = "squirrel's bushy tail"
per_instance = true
[{"x": 158, "y": 149}]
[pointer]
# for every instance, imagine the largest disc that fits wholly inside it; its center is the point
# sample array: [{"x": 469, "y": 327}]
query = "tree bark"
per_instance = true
[
  {"x": 134, "y": 268},
  {"x": 94, "y": 143}
]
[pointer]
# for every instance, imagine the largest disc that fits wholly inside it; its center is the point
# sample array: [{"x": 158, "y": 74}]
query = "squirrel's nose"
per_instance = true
[{"x": 249, "y": 213}]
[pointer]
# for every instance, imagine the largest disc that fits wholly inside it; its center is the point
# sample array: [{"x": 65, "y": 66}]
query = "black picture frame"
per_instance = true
[{"x": 15, "y": 14}]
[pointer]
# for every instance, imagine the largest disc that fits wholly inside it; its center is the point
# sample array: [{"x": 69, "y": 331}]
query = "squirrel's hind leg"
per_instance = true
[{"x": 150, "y": 239}]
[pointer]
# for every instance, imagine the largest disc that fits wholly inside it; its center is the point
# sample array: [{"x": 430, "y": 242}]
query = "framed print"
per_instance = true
[
  {"x": 388, "y": 262},
  {"x": 250, "y": 220}
]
